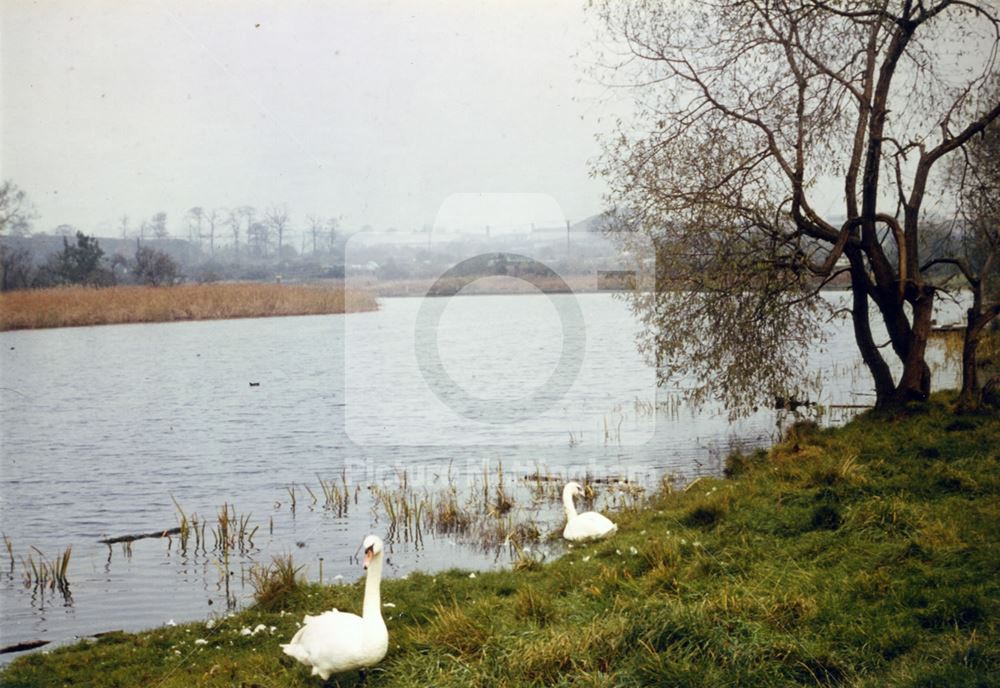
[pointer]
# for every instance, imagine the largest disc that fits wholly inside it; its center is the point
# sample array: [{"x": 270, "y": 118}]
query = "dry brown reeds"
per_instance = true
[
  {"x": 77, "y": 306},
  {"x": 46, "y": 573},
  {"x": 337, "y": 497},
  {"x": 230, "y": 531}
]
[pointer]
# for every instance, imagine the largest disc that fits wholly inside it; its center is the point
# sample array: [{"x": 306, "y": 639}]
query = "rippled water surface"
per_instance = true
[{"x": 103, "y": 427}]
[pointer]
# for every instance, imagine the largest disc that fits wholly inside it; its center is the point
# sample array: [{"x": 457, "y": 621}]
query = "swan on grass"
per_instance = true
[
  {"x": 334, "y": 641},
  {"x": 586, "y": 526}
]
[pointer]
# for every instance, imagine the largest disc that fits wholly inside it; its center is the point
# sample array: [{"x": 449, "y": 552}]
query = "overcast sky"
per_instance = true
[{"x": 374, "y": 111}]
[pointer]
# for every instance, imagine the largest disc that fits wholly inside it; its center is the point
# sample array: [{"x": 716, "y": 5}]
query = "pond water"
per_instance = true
[{"x": 106, "y": 431}]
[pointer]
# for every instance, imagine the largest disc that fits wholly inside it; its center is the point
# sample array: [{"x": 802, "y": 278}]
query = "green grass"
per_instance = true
[{"x": 862, "y": 556}]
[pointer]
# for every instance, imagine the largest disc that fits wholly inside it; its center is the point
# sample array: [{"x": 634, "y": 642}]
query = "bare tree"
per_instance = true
[
  {"x": 976, "y": 177},
  {"x": 213, "y": 219},
  {"x": 158, "y": 225},
  {"x": 249, "y": 215},
  {"x": 276, "y": 218},
  {"x": 195, "y": 219},
  {"x": 16, "y": 210},
  {"x": 233, "y": 222},
  {"x": 316, "y": 227},
  {"x": 745, "y": 110},
  {"x": 123, "y": 226},
  {"x": 259, "y": 238}
]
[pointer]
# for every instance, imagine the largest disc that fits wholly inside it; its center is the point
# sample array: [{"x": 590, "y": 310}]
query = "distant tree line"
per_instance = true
[
  {"x": 83, "y": 262},
  {"x": 244, "y": 232},
  {"x": 214, "y": 243}
]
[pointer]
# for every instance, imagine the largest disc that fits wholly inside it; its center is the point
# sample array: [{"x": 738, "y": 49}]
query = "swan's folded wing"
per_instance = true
[
  {"x": 330, "y": 643},
  {"x": 589, "y": 526}
]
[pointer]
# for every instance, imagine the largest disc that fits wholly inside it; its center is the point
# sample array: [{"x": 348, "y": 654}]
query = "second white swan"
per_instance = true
[{"x": 589, "y": 525}]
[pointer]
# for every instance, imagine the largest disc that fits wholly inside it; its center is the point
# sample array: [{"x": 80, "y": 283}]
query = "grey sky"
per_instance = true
[{"x": 377, "y": 111}]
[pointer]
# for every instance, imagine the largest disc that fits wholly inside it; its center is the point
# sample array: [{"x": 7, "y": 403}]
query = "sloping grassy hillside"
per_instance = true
[{"x": 864, "y": 556}]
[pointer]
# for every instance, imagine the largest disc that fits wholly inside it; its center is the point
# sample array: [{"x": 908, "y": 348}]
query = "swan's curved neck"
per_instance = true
[
  {"x": 568, "y": 503},
  {"x": 372, "y": 608}
]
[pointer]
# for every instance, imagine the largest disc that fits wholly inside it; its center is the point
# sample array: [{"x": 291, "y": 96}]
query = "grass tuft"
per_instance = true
[{"x": 275, "y": 583}]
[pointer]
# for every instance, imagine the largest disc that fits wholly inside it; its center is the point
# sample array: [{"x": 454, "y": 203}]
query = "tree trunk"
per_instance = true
[
  {"x": 879, "y": 369},
  {"x": 968, "y": 397},
  {"x": 915, "y": 382}
]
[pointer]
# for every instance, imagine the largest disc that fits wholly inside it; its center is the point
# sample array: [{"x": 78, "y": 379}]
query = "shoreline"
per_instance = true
[{"x": 859, "y": 555}]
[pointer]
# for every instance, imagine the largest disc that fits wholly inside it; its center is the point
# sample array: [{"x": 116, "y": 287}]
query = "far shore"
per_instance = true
[
  {"x": 493, "y": 285},
  {"x": 479, "y": 286},
  {"x": 81, "y": 306}
]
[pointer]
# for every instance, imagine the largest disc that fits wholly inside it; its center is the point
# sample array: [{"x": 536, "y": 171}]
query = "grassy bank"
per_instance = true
[
  {"x": 75, "y": 306},
  {"x": 863, "y": 556}
]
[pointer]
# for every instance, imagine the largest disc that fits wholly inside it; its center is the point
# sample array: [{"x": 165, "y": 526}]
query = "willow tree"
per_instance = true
[{"x": 776, "y": 145}]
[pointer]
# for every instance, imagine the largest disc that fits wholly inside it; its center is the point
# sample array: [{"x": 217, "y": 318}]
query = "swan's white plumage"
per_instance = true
[
  {"x": 589, "y": 526},
  {"x": 586, "y": 526},
  {"x": 335, "y": 641}
]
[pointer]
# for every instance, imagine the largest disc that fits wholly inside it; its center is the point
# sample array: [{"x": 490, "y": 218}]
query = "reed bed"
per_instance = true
[
  {"x": 493, "y": 512},
  {"x": 229, "y": 530},
  {"x": 337, "y": 497},
  {"x": 78, "y": 306}
]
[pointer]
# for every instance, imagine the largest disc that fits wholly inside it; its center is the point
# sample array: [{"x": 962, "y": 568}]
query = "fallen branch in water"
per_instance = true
[
  {"x": 130, "y": 538},
  {"x": 21, "y": 647}
]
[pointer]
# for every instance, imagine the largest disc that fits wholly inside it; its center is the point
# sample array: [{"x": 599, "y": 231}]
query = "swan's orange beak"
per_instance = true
[{"x": 368, "y": 557}]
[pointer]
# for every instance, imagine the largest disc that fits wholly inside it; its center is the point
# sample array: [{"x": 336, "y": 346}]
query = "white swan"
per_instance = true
[
  {"x": 586, "y": 526},
  {"x": 337, "y": 641}
]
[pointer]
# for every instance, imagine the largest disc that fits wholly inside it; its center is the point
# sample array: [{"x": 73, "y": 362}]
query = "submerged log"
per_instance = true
[
  {"x": 141, "y": 536},
  {"x": 21, "y": 647}
]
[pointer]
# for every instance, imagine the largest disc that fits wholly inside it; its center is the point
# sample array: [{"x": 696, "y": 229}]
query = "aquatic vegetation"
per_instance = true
[
  {"x": 484, "y": 514},
  {"x": 447, "y": 515},
  {"x": 229, "y": 530},
  {"x": 404, "y": 511},
  {"x": 232, "y": 530},
  {"x": 10, "y": 551},
  {"x": 337, "y": 497},
  {"x": 44, "y": 573}
]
